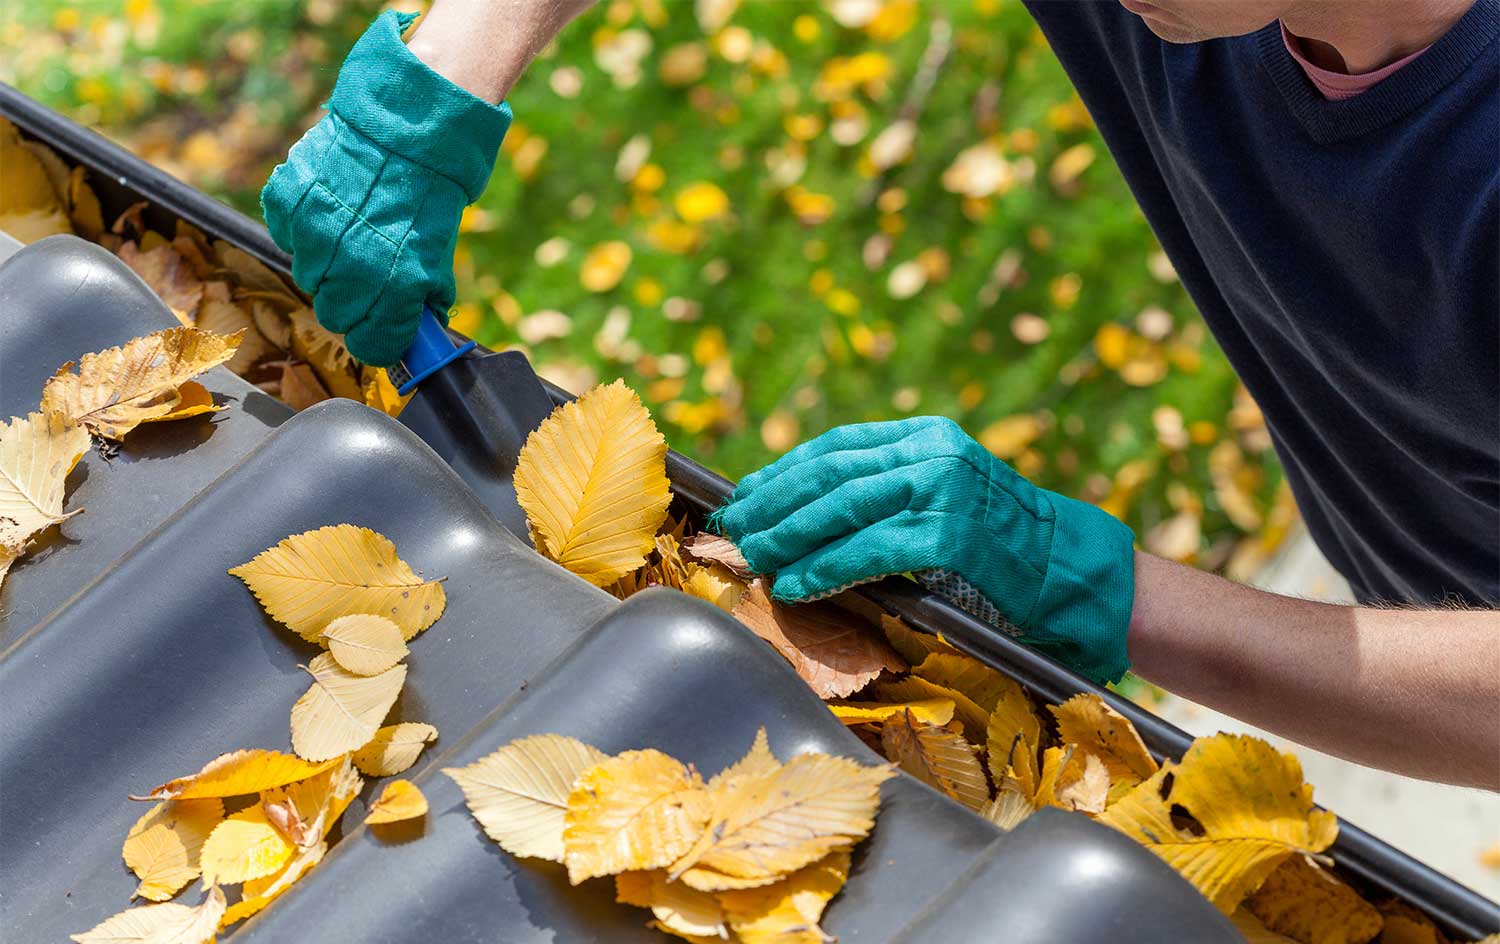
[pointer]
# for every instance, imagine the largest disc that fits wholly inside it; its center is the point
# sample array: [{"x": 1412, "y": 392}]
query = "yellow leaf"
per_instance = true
[
  {"x": 677, "y": 908},
  {"x": 341, "y": 711},
  {"x": 913, "y": 688},
  {"x": 222, "y": 316},
  {"x": 380, "y": 394},
  {"x": 788, "y": 911},
  {"x": 163, "y": 846},
  {"x": 777, "y": 819},
  {"x": 592, "y": 480},
  {"x": 168, "y": 923},
  {"x": 394, "y": 749},
  {"x": 317, "y": 345},
  {"x": 931, "y": 710},
  {"x": 1012, "y": 737},
  {"x": 30, "y": 207},
  {"x": 1010, "y": 806},
  {"x": 834, "y": 652},
  {"x": 605, "y": 266},
  {"x": 260, "y": 892},
  {"x": 911, "y": 645},
  {"x": 1404, "y": 924},
  {"x": 400, "y": 800},
  {"x": 84, "y": 210},
  {"x": 246, "y": 845},
  {"x": 1088, "y": 791},
  {"x": 1251, "y": 811},
  {"x": 36, "y": 454},
  {"x": 1099, "y": 730},
  {"x": 193, "y": 399},
  {"x": 520, "y": 792},
  {"x": 636, "y": 811},
  {"x": 1256, "y": 933},
  {"x": 117, "y": 389},
  {"x": 307, "y": 810},
  {"x": 310, "y": 579},
  {"x": 1308, "y": 904},
  {"x": 236, "y": 774},
  {"x": 716, "y": 585},
  {"x": 757, "y": 762},
  {"x": 937, "y": 757},
  {"x": 364, "y": 644}
]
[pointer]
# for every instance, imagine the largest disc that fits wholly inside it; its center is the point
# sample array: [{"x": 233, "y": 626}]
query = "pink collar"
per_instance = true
[{"x": 1337, "y": 86}]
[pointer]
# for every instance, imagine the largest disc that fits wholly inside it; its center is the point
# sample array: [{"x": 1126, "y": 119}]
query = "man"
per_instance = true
[{"x": 1325, "y": 177}]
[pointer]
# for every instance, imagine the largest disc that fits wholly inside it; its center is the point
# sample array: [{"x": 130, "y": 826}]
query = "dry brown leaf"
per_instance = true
[
  {"x": 519, "y": 793},
  {"x": 238, "y": 773},
  {"x": 168, "y": 274},
  {"x": 364, "y": 643},
  {"x": 299, "y": 386},
  {"x": 592, "y": 480},
  {"x": 250, "y": 271},
  {"x": 788, "y": 911},
  {"x": 1405, "y": 925},
  {"x": 163, "y": 846},
  {"x": 220, "y": 315},
  {"x": 1088, "y": 721},
  {"x": 836, "y": 654},
  {"x": 117, "y": 389},
  {"x": 168, "y": 923},
  {"x": 310, "y": 579},
  {"x": 636, "y": 811},
  {"x": 677, "y": 908},
  {"x": 394, "y": 749},
  {"x": 1250, "y": 808},
  {"x": 712, "y": 548},
  {"x": 399, "y": 801},
  {"x": 324, "y": 351},
  {"x": 937, "y": 757},
  {"x": 36, "y": 454},
  {"x": 1308, "y": 904},
  {"x": 775, "y": 819},
  {"x": 341, "y": 711}
]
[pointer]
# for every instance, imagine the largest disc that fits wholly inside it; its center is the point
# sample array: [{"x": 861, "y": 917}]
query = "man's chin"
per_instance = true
[{"x": 1174, "y": 32}]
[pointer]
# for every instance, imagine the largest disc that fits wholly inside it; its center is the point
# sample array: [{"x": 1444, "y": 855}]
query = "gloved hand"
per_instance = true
[
  {"x": 920, "y": 495},
  {"x": 368, "y": 202}
]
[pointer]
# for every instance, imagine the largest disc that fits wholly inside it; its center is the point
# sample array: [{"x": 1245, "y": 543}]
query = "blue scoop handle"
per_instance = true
[{"x": 430, "y": 352}]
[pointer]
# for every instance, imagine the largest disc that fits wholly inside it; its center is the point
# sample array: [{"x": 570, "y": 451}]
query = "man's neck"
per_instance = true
[{"x": 1364, "y": 35}]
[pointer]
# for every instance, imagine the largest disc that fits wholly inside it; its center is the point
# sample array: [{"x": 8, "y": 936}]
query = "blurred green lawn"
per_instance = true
[{"x": 1037, "y": 310}]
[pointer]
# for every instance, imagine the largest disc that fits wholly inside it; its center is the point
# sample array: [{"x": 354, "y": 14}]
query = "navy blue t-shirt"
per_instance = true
[{"x": 1346, "y": 256}]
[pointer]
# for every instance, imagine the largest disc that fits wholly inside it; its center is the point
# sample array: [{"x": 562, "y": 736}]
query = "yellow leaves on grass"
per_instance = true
[
  {"x": 168, "y": 923},
  {"x": 1249, "y": 809},
  {"x": 36, "y": 454},
  {"x": 311, "y": 579},
  {"x": 118, "y": 389},
  {"x": 399, "y": 801},
  {"x": 592, "y": 481},
  {"x": 519, "y": 794},
  {"x": 341, "y": 711},
  {"x": 394, "y": 749},
  {"x": 162, "y": 847},
  {"x": 754, "y": 855},
  {"x": 605, "y": 266},
  {"x": 638, "y": 810}
]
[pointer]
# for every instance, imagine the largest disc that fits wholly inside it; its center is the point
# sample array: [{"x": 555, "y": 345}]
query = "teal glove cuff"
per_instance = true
[{"x": 391, "y": 97}]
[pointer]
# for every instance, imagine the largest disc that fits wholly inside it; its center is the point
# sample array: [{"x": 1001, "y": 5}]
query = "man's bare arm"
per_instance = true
[
  {"x": 1413, "y": 691},
  {"x": 484, "y": 45}
]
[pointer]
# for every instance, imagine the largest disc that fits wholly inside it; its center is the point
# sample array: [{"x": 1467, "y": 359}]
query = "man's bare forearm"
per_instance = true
[
  {"x": 484, "y": 45},
  {"x": 1413, "y": 691}
]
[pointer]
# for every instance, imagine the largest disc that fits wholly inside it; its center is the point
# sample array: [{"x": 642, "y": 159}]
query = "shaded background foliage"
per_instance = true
[{"x": 722, "y": 204}]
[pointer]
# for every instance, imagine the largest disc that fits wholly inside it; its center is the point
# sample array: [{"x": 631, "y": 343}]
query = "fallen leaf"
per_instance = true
[
  {"x": 520, "y": 792},
  {"x": 84, "y": 210},
  {"x": 380, "y": 394},
  {"x": 399, "y": 801},
  {"x": 636, "y": 811},
  {"x": 168, "y": 274},
  {"x": 168, "y": 923},
  {"x": 1256, "y": 933},
  {"x": 317, "y": 802},
  {"x": 163, "y": 846},
  {"x": 250, "y": 271},
  {"x": 311, "y": 579},
  {"x": 341, "y": 711},
  {"x": 246, "y": 845},
  {"x": 677, "y": 908},
  {"x": 757, "y": 762},
  {"x": 771, "y": 822},
  {"x": 118, "y": 389},
  {"x": 260, "y": 892},
  {"x": 299, "y": 386},
  {"x": 1404, "y": 924},
  {"x": 1010, "y": 806},
  {"x": 788, "y": 911},
  {"x": 716, "y": 585},
  {"x": 1305, "y": 902},
  {"x": 974, "y": 719},
  {"x": 835, "y": 653},
  {"x": 1089, "y": 722},
  {"x": 718, "y": 550},
  {"x": 605, "y": 266},
  {"x": 394, "y": 749},
  {"x": 236, "y": 774},
  {"x": 1250, "y": 808},
  {"x": 931, "y": 710},
  {"x": 1089, "y": 792},
  {"x": 364, "y": 644},
  {"x": 1012, "y": 738},
  {"x": 937, "y": 757},
  {"x": 30, "y": 208},
  {"x": 36, "y": 454},
  {"x": 911, "y": 645},
  {"x": 222, "y": 316},
  {"x": 592, "y": 480},
  {"x": 193, "y": 399}
]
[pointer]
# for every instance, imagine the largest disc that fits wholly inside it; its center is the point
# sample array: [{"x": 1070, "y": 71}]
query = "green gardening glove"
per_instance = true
[
  {"x": 919, "y": 495},
  {"x": 368, "y": 202}
]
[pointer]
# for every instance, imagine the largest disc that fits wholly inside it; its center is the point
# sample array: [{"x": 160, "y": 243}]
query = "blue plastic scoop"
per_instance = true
[{"x": 430, "y": 352}]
